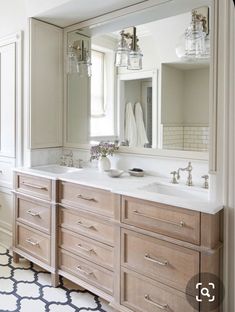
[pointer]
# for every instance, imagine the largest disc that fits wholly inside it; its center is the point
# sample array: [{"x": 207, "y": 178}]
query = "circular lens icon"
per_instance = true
[{"x": 205, "y": 292}]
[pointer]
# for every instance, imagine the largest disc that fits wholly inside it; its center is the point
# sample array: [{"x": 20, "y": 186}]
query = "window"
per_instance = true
[
  {"x": 102, "y": 122},
  {"x": 97, "y": 84}
]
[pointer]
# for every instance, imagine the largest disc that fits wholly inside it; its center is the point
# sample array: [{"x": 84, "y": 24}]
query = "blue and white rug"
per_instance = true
[{"x": 26, "y": 287}]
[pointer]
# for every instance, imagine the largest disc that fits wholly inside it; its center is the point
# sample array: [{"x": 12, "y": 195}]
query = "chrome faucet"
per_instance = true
[{"x": 189, "y": 169}]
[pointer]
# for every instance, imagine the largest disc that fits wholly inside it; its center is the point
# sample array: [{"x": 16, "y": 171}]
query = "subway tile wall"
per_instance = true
[{"x": 194, "y": 138}]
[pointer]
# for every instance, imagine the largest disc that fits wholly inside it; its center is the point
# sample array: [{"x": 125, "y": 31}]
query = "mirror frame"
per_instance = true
[{"x": 125, "y": 17}]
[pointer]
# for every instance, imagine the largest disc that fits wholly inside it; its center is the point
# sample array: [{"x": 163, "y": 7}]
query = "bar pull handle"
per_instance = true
[
  {"x": 179, "y": 224},
  {"x": 33, "y": 213},
  {"x": 81, "y": 270},
  {"x": 154, "y": 260},
  {"x": 86, "y": 198},
  {"x": 84, "y": 248},
  {"x": 38, "y": 187},
  {"x": 158, "y": 305},
  {"x": 31, "y": 242},
  {"x": 86, "y": 226}
]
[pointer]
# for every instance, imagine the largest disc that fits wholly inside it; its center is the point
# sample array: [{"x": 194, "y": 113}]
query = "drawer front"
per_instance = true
[
  {"x": 34, "y": 213},
  {"x": 87, "y": 271},
  {"x": 87, "y": 225},
  {"x": 87, "y": 248},
  {"x": 34, "y": 186},
  {"x": 173, "y": 265},
  {"x": 95, "y": 200},
  {"x": 140, "y": 294},
  {"x": 37, "y": 245},
  {"x": 175, "y": 222}
]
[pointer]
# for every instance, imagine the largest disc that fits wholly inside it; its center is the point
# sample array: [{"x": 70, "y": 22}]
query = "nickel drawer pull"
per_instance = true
[
  {"x": 86, "y": 198},
  {"x": 180, "y": 224},
  {"x": 35, "y": 186},
  {"x": 86, "y": 226},
  {"x": 158, "y": 305},
  {"x": 31, "y": 242},
  {"x": 80, "y": 269},
  {"x": 33, "y": 213},
  {"x": 157, "y": 261},
  {"x": 84, "y": 248}
]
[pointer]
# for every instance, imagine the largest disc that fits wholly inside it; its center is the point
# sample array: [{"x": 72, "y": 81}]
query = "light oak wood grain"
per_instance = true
[
  {"x": 87, "y": 248},
  {"x": 86, "y": 270},
  {"x": 175, "y": 222},
  {"x": 165, "y": 262},
  {"x": 34, "y": 242}
]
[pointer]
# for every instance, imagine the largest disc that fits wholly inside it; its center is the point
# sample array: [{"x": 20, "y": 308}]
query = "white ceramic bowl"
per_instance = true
[{"x": 114, "y": 173}]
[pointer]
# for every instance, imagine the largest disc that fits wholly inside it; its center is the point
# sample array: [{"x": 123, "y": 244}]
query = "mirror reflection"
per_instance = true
[{"x": 149, "y": 85}]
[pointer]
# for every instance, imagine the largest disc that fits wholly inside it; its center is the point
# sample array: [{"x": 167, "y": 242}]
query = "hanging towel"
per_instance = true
[
  {"x": 141, "y": 132},
  {"x": 130, "y": 126}
]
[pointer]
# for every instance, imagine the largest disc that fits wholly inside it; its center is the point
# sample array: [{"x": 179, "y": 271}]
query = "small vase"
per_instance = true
[{"x": 104, "y": 164}]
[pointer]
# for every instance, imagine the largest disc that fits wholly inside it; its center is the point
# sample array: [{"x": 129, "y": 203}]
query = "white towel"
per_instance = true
[
  {"x": 130, "y": 126},
  {"x": 141, "y": 132}
]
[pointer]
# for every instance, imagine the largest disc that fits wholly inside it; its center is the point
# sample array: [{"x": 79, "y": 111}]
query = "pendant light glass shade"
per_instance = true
[
  {"x": 195, "y": 43},
  {"x": 122, "y": 52},
  {"x": 135, "y": 60},
  {"x": 79, "y": 61},
  {"x": 128, "y": 53}
]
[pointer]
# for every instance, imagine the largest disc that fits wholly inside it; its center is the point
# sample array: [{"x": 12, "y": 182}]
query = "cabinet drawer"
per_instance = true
[
  {"x": 95, "y": 200},
  {"x": 87, "y": 271},
  {"x": 83, "y": 223},
  {"x": 87, "y": 248},
  {"x": 142, "y": 294},
  {"x": 173, "y": 265},
  {"x": 35, "y": 243},
  {"x": 33, "y": 213},
  {"x": 34, "y": 186},
  {"x": 175, "y": 222}
]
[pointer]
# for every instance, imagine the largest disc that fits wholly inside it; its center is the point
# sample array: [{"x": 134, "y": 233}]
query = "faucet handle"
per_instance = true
[
  {"x": 206, "y": 183},
  {"x": 174, "y": 179}
]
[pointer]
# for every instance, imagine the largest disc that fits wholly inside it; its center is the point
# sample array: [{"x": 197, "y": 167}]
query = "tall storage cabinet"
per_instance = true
[
  {"x": 46, "y": 85},
  {"x": 10, "y": 127}
]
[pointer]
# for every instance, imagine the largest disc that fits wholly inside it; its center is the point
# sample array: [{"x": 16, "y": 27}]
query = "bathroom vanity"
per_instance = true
[{"x": 134, "y": 248}]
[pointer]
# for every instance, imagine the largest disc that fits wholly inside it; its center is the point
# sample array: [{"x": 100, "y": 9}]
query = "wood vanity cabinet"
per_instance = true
[
  {"x": 137, "y": 254},
  {"x": 34, "y": 235},
  {"x": 88, "y": 237}
]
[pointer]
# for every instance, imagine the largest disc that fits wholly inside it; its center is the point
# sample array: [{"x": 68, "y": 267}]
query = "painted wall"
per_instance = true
[{"x": 185, "y": 96}]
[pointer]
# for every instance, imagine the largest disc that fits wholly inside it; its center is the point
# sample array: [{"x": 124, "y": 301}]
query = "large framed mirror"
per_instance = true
[{"x": 163, "y": 108}]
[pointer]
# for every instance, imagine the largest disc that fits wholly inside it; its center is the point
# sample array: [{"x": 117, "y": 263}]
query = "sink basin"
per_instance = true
[
  {"x": 176, "y": 191},
  {"x": 57, "y": 169}
]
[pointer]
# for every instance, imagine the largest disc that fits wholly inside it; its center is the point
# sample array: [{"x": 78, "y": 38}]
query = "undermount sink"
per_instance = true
[
  {"x": 57, "y": 169},
  {"x": 176, "y": 191}
]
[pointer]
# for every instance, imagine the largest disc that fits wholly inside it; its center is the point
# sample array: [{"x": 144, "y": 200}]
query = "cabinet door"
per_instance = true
[
  {"x": 7, "y": 99},
  {"x": 46, "y": 85}
]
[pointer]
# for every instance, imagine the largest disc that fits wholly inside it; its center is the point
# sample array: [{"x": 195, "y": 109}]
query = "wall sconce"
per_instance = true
[
  {"x": 79, "y": 61},
  {"x": 195, "y": 43},
  {"x": 128, "y": 53}
]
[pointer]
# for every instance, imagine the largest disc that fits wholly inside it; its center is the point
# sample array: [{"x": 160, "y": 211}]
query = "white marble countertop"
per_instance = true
[{"x": 153, "y": 188}]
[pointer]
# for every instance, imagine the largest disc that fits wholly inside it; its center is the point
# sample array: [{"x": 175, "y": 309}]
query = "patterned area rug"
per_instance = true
[{"x": 26, "y": 287}]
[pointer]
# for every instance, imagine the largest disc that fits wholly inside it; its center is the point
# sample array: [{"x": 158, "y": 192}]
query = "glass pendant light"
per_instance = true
[
  {"x": 72, "y": 62},
  {"x": 79, "y": 61},
  {"x": 122, "y": 52},
  {"x": 128, "y": 53},
  {"x": 195, "y": 38},
  {"x": 135, "y": 55},
  {"x": 194, "y": 43}
]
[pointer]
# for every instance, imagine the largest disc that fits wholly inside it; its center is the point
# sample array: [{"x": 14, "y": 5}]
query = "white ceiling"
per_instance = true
[{"x": 67, "y": 12}]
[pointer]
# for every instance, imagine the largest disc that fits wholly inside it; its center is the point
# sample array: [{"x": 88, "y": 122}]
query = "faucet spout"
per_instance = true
[{"x": 189, "y": 169}]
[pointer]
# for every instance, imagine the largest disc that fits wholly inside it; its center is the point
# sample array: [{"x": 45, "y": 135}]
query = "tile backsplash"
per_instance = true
[{"x": 190, "y": 138}]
